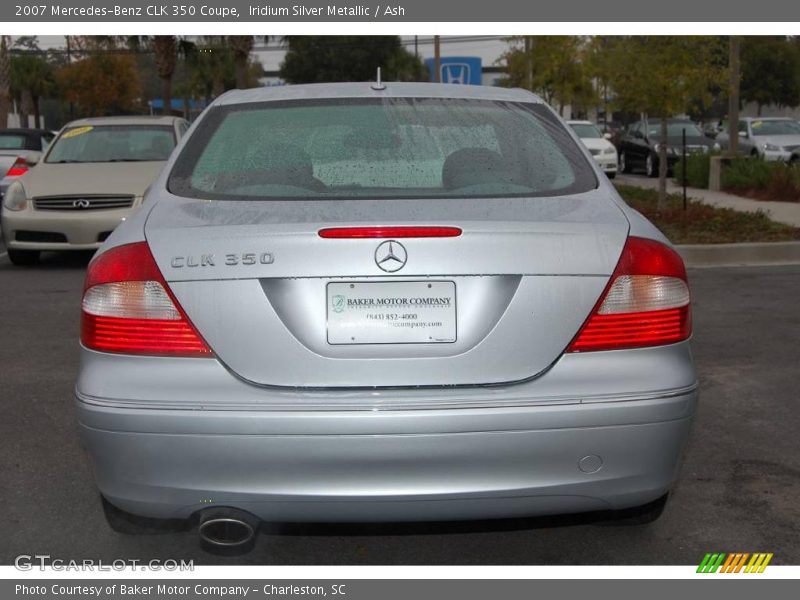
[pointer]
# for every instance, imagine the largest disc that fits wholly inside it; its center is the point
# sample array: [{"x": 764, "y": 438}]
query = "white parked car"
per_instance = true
[
  {"x": 598, "y": 144},
  {"x": 92, "y": 177}
]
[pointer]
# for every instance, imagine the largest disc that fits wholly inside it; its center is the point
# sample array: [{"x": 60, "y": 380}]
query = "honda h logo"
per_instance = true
[{"x": 456, "y": 72}]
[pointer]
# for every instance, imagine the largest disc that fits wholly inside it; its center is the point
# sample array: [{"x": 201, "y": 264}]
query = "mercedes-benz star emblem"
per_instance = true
[
  {"x": 82, "y": 203},
  {"x": 390, "y": 256}
]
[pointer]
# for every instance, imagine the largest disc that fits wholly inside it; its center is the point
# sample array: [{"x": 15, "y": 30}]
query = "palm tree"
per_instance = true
[
  {"x": 32, "y": 78},
  {"x": 241, "y": 45},
  {"x": 5, "y": 80},
  {"x": 166, "y": 56}
]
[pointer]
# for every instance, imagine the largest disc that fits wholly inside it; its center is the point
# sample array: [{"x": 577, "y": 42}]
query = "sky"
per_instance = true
[{"x": 489, "y": 48}]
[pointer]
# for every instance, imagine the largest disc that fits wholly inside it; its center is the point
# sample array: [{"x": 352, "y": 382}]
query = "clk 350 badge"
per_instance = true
[{"x": 230, "y": 260}]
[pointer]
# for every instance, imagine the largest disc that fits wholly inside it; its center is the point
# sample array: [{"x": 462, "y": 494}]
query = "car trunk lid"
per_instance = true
[{"x": 260, "y": 284}]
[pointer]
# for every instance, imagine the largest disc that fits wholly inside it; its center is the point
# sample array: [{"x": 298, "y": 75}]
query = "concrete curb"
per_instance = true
[{"x": 740, "y": 255}]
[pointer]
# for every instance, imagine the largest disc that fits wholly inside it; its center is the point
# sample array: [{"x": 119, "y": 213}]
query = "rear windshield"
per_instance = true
[
  {"x": 379, "y": 148},
  {"x": 11, "y": 141},
  {"x": 113, "y": 143},
  {"x": 674, "y": 130}
]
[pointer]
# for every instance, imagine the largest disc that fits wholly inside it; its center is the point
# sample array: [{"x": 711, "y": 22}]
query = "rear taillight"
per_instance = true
[
  {"x": 20, "y": 167},
  {"x": 646, "y": 302},
  {"x": 128, "y": 308}
]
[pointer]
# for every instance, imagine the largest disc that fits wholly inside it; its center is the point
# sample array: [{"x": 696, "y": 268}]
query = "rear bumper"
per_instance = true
[{"x": 389, "y": 466}]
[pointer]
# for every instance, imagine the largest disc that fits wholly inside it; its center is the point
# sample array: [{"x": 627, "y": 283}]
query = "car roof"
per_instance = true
[
  {"x": 316, "y": 91},
  {"x": 126, "y": 120},
  {"x": 24, "y": 131},
  {"x": 669, "y": 120},
  {"x": 767, "y": 119},
  {"x": 579, "y": 123}
]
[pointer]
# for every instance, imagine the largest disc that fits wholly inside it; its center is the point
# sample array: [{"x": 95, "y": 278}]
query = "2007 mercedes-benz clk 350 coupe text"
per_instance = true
[{"x": 350, "y": 302}]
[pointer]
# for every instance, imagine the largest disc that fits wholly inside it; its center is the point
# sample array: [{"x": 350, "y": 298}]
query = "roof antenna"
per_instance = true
[{"x": 378, "y": 85}]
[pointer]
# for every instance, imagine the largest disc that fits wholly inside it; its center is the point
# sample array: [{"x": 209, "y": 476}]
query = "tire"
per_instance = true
[
  {"x": 624, "y": 167},
  {"x": 651, "y": 166},
  {"x": 126, "y": 523},
  {"x": 23, "y": 258},
  {"x": 638, "y": 515}
]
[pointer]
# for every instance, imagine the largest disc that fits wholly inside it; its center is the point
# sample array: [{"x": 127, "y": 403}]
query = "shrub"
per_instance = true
[
  {"x": 697, "y": 168},
  {"x": 746, "y": 174},
  {"x": 762, "y": 179},
  {"x": 784, "y": 183}
]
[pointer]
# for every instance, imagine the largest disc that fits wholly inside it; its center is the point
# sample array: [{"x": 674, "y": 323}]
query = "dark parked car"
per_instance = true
[
  {"x": 20, "y": 149},
  {"x": 641, "y": 143}
]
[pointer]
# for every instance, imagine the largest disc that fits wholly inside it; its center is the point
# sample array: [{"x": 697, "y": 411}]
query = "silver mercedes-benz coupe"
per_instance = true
[{"x": 383, "y": 302}]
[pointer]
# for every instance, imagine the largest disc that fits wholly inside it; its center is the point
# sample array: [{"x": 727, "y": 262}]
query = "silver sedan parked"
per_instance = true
[
  {"x": 351, "y": 302},
  {"x": 770, "y": 138}
]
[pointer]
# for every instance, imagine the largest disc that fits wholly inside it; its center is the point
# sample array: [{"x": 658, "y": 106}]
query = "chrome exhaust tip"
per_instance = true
[{"x": 227, "y": 530}]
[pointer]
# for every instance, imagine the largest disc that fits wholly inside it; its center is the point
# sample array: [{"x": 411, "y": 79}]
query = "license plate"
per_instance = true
[{"x": 391, "y": 312}]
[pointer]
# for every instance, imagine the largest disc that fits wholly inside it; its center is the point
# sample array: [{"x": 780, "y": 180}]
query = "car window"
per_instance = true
[
  {"x": 45, "y": 139},
  {"x": 742, "y": 126},
  {"x": 674, "y": 129},
  {"x": 777, "y": 127},
  {"x": 374, "y": 148},
  {"x": 112, "y": 143},
  {"x": 11, "y": 141},
  {"x": 586, "y": 130}
]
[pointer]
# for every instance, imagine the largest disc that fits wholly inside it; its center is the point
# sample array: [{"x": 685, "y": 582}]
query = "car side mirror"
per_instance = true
[
  {"x": 33, "y": 158},
  {"x": 607, "y": 135}
]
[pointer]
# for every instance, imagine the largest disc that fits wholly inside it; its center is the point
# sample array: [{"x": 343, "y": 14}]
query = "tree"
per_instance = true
[
  {"x": 662, "y": 76},
  {"x": 31, "y": 78},
  {"x": 241, "y": 45},
  {"x": 553, "y": 66},
  {"x": 318, "y": 59},
  {"x": 165, "y": 48},
  {"x": 5, "y": 79},
  {"x": 770, "y": 71},
  {"x": 103, "y": 80}
]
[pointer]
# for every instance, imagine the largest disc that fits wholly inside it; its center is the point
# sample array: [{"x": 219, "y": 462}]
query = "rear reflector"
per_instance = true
[
  {"x": 20, "y": 167},
  {"x": 388, "y": 232},
  {"x": 128, "y": 308},
  {"x": 646, "y": 302}
]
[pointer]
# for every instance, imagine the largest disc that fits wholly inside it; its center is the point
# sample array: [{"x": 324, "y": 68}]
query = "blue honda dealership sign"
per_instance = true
[{"x": 465, "y": 70}]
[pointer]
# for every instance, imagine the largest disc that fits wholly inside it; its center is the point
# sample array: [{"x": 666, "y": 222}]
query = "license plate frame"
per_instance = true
[{"x": 402, "y": 312}]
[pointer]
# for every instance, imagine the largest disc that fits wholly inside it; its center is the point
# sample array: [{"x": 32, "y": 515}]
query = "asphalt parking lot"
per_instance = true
[{"x": 738, "y": 489}]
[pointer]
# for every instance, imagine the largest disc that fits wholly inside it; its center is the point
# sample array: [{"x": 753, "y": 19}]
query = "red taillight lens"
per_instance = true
[
  {"x": 646, "y": 302},
  {"x": 389, "y": 232},
  {"x": 20, "y": 167},
  {"x": 128, "y": 308}
]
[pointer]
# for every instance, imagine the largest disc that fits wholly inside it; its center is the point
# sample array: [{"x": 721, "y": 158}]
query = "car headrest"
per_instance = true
[{"x": 471, "y": 166}]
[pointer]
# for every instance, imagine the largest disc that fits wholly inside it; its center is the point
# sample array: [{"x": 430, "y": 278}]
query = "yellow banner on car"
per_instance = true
[{"x": 77, "y": 131}]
